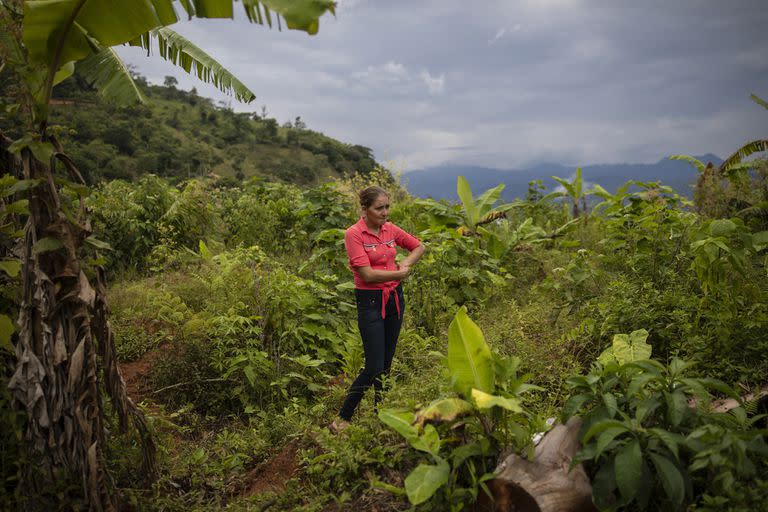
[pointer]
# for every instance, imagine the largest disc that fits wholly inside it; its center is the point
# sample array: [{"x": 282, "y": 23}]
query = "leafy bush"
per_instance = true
[{"x": 649, "y": 446}]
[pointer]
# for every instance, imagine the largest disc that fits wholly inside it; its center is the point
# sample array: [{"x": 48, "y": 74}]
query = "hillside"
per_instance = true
[
  {"x": 178, "y": 134},
  {"x": 440, "y": 182}
]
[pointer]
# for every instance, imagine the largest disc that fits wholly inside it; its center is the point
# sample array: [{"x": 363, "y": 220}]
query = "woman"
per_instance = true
[{"x": 370, "y": 245}]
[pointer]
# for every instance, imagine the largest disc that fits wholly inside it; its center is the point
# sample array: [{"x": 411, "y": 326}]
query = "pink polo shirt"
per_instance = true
[{"x": 365, "y": 249}]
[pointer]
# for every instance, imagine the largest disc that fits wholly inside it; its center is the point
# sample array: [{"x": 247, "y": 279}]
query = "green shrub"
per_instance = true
[{"x": 649, "y": 447}]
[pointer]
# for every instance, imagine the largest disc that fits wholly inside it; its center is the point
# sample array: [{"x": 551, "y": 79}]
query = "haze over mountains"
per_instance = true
[{"x": 440, "y": 182}]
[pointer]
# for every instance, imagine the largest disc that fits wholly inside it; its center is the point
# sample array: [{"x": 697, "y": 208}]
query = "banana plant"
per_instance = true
[
  {"x": 489, "y": 390},
  {"x": 61, "y": 311},
  {"x": 735, "y": 162},
  {"x": 574, "y": 190},
  {"x": 480, "y": 210},
  {"x": 60, "y": 35}
]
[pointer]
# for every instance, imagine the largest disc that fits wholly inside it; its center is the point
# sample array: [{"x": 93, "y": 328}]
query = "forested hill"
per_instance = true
[{"x": 178, "y": 134}]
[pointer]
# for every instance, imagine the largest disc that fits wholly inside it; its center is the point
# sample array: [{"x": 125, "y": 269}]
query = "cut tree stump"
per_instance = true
[{"x": 545, "y": 484}]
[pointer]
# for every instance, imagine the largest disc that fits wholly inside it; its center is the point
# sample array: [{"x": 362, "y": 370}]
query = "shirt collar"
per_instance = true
[{"x": 364, "y": 227}]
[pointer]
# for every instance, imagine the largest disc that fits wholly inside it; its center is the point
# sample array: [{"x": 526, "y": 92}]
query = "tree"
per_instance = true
[
  {"x": 170, "y": 81},
  {"x": 64, "y": 345}
]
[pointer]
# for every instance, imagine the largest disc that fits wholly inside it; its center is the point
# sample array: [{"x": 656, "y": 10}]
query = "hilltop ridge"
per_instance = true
[{"x": 178, "y": 134}]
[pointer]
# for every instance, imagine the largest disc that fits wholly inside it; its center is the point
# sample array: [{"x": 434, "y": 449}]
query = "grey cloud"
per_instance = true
[{"x": 575, "y": 81}]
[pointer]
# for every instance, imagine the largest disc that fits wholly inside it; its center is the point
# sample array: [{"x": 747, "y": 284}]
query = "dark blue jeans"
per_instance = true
[{"x": 379, "y": 341}]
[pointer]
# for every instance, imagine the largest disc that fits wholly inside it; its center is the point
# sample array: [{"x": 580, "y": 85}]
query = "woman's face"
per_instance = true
[{"x": 378, "y": 212}]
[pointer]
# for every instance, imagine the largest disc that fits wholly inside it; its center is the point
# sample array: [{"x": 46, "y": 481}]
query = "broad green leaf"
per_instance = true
[
  {"x": 443, "y": 409},
  {"x": 605, "y": 438},
  {"x": 610, "y": 403},
  {"x": 42, "y": 151},
  {"x": 677, "y": 407},
  {"x": 567, "y": 185},
  {"x": 627, "y": 348},
  {"x": 425, "y": 480},
  {"x": 487, "y": 199},
  {"x": 301, "y": 14},
  {"x": 755, "y": 146},
  {"x": 721, "y": 227},
  {"x": 165, "y": 11},
  {"x": 578, "y": 183},
  {"x": 64, "y": 72},
  {"x": 401, "y": 422},
  {"x": 638, "y": 383},
  {"x": 629, "y": 469},
  {"x": 99, "y": 244},
  {"x": 213, "y": 9},
  {"x": 107, "y": 73},
  {"x": 698, "y": 164},
  {"x": 574, "y": 403},
  {"x": 45, "y": 245},
  {"x": 760, "y": 240},
  {"x": 464, "y": 192},
  {"x": 671, "y": 478},
  {"x": 428, "y": 441},
  {"x": 6, "y": 331},
  {"x": 20, "y": 186},
  {"x": 600, "y": 427},
  {"x": 670, "y": 439},
  {"x": 604, "y": 485},
  {"x": 180, "y": 51},
  {"x": 469, "y": 357},
  {"x": 600, "y": 191},
  {"x": 10, "y": 267},
  {"x": 45, "y": 23},
  {"x": 646, "y": 407},
  {"x": 465, "y": 451},
  {"x": 759, "y": 101},
  {"x": 49, "y": 26},
  {"x": 720, "y": 386},
  {"x": 486, "y": 401}
]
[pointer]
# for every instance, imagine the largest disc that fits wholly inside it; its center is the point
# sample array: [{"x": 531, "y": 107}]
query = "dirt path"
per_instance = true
[
  {"x": 272, "y": 474},
  {"x": 136, "y": 373}
]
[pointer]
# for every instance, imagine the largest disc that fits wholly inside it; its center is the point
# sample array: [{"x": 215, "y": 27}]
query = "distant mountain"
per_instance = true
[{"x": 440, "y": 182}]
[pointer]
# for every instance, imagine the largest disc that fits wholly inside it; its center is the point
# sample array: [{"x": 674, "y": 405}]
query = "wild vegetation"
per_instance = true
[
  {"x": 232, "y": 316},
  {"x": 232, "y": 319},
  {"x": 178, "y": 134}
]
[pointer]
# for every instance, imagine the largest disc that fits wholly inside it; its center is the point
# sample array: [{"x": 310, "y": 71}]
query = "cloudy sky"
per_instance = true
[{"x": 510, "y": 83}]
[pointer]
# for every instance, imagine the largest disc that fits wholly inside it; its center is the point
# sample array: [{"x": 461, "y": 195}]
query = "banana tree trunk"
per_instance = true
[
  {"x": 547, "y": 483},
  {"x": 65, "y": 350}
]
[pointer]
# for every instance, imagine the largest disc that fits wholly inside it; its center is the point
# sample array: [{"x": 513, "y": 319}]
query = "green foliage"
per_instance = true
[
  {"x": 495, "y": 390},
  {"x": 250, "y": 305},
  {"x": 13, "y": 212},
  {"x": 455, "y": 271},
  {"x": 179, "y": 135},
  {"x": 627, "y": 348},
  {"x": 480, "y": 210},
  {"x": 649, "y": 447},
  {"x": 469, "y": 357}
]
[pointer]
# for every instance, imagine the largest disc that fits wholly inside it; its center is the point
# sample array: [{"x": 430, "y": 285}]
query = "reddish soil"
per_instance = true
[
  {"x": 136, "y": 373},
  {"x": 271, "y": 475}
]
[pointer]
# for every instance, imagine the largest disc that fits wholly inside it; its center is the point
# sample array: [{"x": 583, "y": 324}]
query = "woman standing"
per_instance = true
[{"x": 371, "y": 247}]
